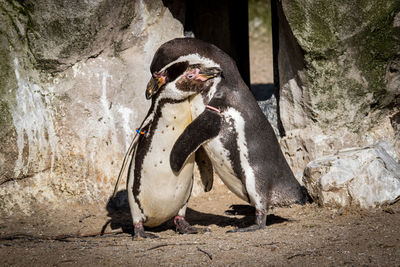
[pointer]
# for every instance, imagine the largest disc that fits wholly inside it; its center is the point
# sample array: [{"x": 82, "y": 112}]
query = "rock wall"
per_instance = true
[
  {"x": 339, "y": 75},
  {"x": 72, "y": 81}
]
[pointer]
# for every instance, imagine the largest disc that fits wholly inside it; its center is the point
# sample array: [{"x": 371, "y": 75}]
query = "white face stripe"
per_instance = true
[
  {"x": 193, "y": 59},
  {"x": 172, "y": 92},
  {"x": 213, "y": 88}
]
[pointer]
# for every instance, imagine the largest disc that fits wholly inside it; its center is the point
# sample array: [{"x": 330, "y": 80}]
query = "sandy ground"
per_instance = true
[
  {"x": 261, "y": 61},
  {"x": 296, "y": 236}
]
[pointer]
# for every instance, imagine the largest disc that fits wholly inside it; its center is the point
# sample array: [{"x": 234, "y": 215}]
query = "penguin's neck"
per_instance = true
[{"x": 198, "y": 102}]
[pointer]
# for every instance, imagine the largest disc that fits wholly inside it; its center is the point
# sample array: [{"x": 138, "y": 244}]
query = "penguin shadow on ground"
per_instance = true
[
  {"x": 119, "y": 213},
  {"x": 262, "y": 91},
  {"x": 238, "y": 216}
]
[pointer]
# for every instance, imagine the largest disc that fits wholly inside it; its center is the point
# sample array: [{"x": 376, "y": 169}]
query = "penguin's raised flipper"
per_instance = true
[
  {"x": 205, "y": 168},
  {"x": 206, "y": 126}
]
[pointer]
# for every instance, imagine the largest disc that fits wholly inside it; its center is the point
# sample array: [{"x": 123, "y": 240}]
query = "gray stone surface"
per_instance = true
[
  {"x": 366, "y": 177},
  {"x": 340, "y": 84},
  {"x": 72, "y": 81}
]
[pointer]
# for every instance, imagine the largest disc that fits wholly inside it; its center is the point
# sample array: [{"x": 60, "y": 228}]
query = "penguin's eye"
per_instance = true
[{"x": 190, "y": 76}]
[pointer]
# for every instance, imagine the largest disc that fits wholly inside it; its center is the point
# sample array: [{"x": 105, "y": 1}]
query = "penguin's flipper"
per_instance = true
[
  {"x": 205, "y": 168},
  {"x": 206, "y": 126}
]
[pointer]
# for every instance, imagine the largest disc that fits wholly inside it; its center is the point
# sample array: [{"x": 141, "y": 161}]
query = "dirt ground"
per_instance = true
[{"x": 300, "y": 235}]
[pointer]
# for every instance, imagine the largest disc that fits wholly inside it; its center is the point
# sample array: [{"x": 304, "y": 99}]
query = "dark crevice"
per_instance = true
[
  {"x": 287, "y": 54},
  {"x": 96, "y": 55},
  {"x": 263, "y": 92},
  {"x": 275, "y": 52},
  {"x": 223, "y": 23},
  {"x": 23, "y": 176}
]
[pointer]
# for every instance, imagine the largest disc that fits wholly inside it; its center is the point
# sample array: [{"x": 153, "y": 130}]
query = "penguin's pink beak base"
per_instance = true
[{"x": 209, "y": 73}]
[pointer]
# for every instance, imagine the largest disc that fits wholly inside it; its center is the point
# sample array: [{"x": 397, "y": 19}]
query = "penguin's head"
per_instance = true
[
  {"x": 183, "y": 67},
  {"x": 181, "y": 80}
]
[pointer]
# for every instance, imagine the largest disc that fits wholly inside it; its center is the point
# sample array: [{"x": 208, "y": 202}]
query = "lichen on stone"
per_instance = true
[{"x": 347, "y": 48}]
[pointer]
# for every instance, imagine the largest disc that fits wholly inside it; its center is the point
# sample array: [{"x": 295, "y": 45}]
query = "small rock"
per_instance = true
[{"x": 364, "y": 177}]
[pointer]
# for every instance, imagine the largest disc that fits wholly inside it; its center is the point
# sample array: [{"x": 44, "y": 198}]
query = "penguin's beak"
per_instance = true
[
  {"x": 209, "y": 73},
  {"x": 152, "y": 88},
  {"x": 154, "y": 85}
]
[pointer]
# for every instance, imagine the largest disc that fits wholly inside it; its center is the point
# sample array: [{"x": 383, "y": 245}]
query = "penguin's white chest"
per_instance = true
[
  {"x": 163, "y": 192},
  {"x": 220, "y": 155},
  {"x": 235, "y": 122}
]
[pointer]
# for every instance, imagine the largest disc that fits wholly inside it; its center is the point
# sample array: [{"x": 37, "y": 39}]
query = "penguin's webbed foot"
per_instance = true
[
  {"x": 261, "y": 222},
  {"x": 251, "y": 228},
  {"x": 183, "y": 227},
  {"x": 140, "y": 233}
]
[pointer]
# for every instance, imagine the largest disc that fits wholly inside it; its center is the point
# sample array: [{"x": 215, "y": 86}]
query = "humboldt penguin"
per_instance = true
[
  {"x": 234, "y": 132},
  {"x": 155, "y": 192}
]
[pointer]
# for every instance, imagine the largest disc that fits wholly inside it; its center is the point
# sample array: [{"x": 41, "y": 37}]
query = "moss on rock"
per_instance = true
[{"x": 347, "y": 47}]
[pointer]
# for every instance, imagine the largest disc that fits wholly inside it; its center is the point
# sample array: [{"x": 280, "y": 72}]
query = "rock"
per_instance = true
[
  {"x": 72, "y": 82},
  {"x": 264, "y": 94},
  {"x": 364, "y": 177},
  {"x": 338, "y": 66}
]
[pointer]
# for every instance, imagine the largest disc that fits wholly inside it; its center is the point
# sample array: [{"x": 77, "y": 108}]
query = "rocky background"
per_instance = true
[
  {"x": 339, "y": 81},
  {"x": 73, "y": 73},
  {"x": 341, "y": 88},
  {"x": 72, "y": 79}
]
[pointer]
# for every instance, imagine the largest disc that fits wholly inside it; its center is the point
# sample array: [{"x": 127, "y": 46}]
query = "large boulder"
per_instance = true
[
  {"x": 339, "y": 75},
  {"x": 72, "y": 81},
  {"x": 366, "y": 177}
]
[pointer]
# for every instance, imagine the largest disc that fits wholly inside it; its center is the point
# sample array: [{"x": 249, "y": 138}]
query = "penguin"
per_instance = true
[
  {"x": 155, "y": 192},
  {"x": 234, "y": 132}
]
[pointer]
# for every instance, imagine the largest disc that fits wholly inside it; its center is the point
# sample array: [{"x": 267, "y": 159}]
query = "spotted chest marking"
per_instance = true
[{"x": 156, "y": 192}]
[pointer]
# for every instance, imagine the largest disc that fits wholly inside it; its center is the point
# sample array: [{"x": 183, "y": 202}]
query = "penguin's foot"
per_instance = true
[
  {"x": 183, "y": 227},
  {"x": 261, "y": 221},
  {"x": 140, "y": 233},
  {"x": 251, "y": 228}
]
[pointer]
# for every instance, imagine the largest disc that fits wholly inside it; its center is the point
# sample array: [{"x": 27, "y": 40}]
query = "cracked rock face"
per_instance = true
[
  {"x": 365, "y": 177},
  {"x": 61, "y": 33},
  {"x": 72, "y": 81}
]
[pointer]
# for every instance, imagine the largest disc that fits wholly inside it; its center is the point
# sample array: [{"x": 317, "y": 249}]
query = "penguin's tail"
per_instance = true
[
  {"x": 288, "y": 193},
  {"x": 305, "y": 197}
]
